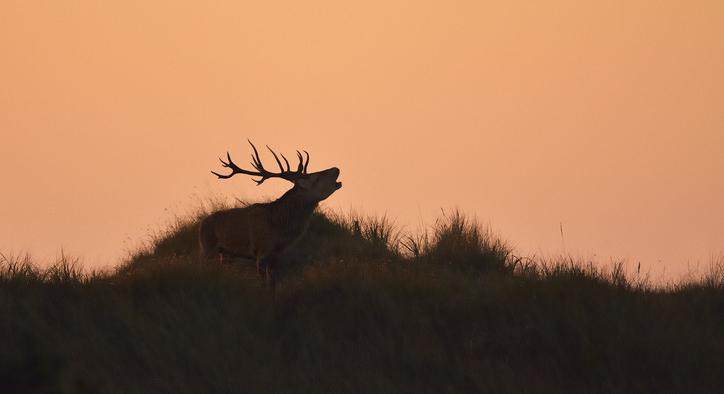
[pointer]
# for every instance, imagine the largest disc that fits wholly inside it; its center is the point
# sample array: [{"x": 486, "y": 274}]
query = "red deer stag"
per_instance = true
[{"x": 261, "y": 232}]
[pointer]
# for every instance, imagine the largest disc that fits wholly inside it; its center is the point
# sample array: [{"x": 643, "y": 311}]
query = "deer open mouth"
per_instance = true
[{"x": 338, "y": 185}]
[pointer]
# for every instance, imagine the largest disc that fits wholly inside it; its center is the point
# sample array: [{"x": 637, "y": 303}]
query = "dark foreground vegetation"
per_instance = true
[{"x": 359, "y": 310}]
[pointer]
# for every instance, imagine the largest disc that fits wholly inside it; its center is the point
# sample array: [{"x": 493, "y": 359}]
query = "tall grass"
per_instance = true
[
  {"x": 361, "y": 308},
  {"x": 21, "y": 270},
  {"x": 461, "y": 242}
]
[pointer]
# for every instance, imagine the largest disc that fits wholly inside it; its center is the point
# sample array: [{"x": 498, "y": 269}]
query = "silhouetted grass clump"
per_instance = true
[
  {"x": 462, "y": 243},
  {"x": 360, "y": 308}
]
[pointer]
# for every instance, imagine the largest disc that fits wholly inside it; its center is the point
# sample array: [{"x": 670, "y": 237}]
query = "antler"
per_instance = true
[{"x": 287, "y": 173}]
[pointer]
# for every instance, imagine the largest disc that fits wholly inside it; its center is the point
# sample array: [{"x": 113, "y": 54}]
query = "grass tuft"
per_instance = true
[{"x": 460, "y": 242}]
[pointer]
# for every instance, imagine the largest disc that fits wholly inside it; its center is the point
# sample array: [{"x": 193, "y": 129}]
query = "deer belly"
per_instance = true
[{"x": 252, "y": 243}]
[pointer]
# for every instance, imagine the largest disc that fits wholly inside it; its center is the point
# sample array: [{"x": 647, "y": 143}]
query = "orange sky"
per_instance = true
[{"x": 607, "y": 118}]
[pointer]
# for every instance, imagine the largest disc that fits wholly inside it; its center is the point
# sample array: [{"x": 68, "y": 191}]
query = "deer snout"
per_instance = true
[{"x": 334, "y": 171}]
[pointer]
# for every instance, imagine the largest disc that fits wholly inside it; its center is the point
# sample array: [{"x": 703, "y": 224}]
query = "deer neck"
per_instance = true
[{"x": 293, "y": 208}]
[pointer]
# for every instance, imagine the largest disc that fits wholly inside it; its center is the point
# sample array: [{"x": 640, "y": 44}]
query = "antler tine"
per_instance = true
[
  {"x": 279, "y": 163},
  {"x": 222, "y": 176},
  {"x": 234, "y": 168},
  {"x": 286, "y": 161},
  {"x": 229, "y": 163},
  {"x": 306, "y": 163},
  {"x": 255, "y": 160},
  {"x": 300, "y": 167}
]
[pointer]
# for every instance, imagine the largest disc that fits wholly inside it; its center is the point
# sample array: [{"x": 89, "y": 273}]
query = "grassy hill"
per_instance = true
[{"x": 359, "y": 309}]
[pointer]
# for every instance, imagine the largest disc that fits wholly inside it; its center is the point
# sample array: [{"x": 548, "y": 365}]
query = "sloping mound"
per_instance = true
[{"x": 360, "y": 309}]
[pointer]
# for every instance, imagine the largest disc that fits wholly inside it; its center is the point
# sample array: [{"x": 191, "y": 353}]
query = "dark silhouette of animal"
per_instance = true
[{"x": 261, "y": 232}]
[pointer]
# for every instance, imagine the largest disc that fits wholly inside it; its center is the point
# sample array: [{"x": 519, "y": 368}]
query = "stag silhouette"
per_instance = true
[{"x": 261, "y": 232}]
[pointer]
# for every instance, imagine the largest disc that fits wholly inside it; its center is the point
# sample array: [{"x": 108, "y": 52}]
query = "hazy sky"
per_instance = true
[{"x": 606, "y": 117}]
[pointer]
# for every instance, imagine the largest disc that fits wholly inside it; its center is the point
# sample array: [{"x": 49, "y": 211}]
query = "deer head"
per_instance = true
[{"x": 315, "y": 186}]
